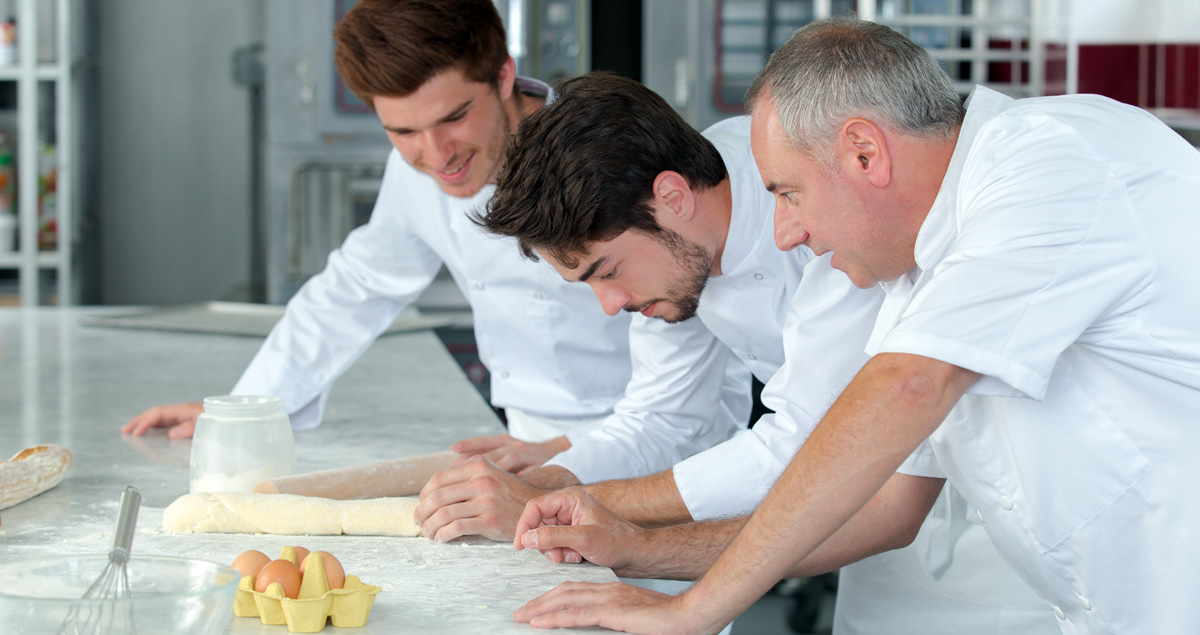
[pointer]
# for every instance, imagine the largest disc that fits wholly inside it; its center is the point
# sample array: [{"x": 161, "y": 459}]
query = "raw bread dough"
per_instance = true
[{"x": 229, "y": 513}]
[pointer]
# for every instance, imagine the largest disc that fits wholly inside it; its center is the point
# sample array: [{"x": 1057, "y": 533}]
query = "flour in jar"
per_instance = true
[{"x": 243, "y": 482}]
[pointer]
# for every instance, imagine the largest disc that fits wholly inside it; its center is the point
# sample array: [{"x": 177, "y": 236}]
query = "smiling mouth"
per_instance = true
[{"x": 456, "y": 172}]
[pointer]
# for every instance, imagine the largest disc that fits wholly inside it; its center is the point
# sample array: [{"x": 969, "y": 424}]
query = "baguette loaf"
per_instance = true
[{"x": 31, "y": 472}]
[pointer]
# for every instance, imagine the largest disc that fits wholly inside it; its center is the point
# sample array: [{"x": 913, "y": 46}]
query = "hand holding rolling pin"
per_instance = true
[{"x": 509, "y": 454}]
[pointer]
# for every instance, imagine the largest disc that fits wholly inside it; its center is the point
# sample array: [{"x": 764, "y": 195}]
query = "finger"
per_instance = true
[
  {"x": 138, "y": 425},
  {"x": 505, "y": 459},
  {"x": 440, "y": 498},
  {"x": 482, "y": 525},
  {"x": 545, "y": 510},
  {"x": 439, "y": 526},
  {"x": 554, "y": 536},
  {"x": 479, "y": 445},
  {"x": 554, "y": 555},
  {"x": 562, "y": 597},
  {"x": 451, "y": 476},
  {"x": 184, "y": 430}
]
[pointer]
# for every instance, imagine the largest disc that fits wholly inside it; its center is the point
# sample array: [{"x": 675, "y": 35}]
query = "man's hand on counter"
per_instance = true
[
  {"x": 475, "y": 498},
  {"x": 571, "y": 526},
  {"x": 180, "y": 418},
  {"x": 510, "y": 454}
]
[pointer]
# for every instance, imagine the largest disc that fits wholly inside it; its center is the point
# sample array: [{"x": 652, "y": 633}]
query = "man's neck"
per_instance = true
[{"x": 714, "y": 206}]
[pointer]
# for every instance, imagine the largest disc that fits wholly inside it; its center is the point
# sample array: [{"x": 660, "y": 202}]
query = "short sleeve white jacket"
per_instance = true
[
  {"x": 551, "y": 349},
  {"x": 1059, "y": 260}
]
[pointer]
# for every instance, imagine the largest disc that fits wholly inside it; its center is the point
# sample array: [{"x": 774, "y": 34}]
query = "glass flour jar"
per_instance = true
[{"x": 240, "y": 441}]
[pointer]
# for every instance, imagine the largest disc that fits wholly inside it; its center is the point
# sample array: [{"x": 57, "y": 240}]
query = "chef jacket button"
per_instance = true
[
  {"x": 1006, "y": 503},
  {"x": 751, "y": 356},
  {"x": 504, "y": 374},
  {"x": 758, "y": 276},
  {"x": 1083, "y": 602},
  {"x": 1059, "y": 613}
]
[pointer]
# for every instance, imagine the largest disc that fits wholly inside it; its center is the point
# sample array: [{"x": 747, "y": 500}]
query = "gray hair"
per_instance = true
[{"x": 832, "y": 70}]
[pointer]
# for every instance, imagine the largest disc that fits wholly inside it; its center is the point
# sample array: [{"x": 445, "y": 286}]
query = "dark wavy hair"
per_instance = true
[
  {"x": 390, "y": 48},
  {"x": 582, "y": 169}
]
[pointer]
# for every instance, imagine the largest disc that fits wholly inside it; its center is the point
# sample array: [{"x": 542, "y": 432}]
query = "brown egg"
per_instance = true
[
  {"x": 250, "y": 562},
  {"x": 283, "y": 572},
  {"x": 334, "y": 572},
  {"x": 301, "y": 554}
]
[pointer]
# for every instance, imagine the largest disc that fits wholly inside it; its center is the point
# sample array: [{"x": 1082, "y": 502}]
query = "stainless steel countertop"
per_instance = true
[{"x": 75, "y": 385}]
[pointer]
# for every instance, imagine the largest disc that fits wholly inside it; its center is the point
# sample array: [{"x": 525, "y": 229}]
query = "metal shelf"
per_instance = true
[
  {"x": 27, "y": 73},
  {"x": 44, "y": 72},
  {"x": 45, "y": 260}
]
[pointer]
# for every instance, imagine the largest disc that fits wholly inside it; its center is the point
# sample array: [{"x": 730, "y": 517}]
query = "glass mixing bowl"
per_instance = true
[{"x": 180, "y": 596}]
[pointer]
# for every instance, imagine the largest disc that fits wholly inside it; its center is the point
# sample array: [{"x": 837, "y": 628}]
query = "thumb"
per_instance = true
[{"x": 576, "y": 538}]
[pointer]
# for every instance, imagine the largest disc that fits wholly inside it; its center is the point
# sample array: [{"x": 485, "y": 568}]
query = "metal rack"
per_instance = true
[{"x": 27, "y": 259}]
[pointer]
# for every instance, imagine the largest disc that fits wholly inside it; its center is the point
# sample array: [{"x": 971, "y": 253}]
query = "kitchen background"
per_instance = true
[
  {"x": 159, "y": 153},
  {"x": 195, "y": 151}
]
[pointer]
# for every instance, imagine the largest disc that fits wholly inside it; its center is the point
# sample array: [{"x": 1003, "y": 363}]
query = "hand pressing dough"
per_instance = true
[{"x": 229, "y": 513}]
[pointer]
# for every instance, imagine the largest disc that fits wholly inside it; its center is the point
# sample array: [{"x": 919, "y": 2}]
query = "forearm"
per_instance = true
[
  {"x": 649, "y": 501},
  {"x": 686, "y": 551},
  {"x": 885, "y": 412},
  {"x": 889, "y": 521},
  {"x": 681, "y": 552}
]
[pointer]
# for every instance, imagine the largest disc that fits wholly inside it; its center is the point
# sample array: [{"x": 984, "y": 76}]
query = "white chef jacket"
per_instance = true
[
  {"x": 667, "y": 412},
  {"x": 1059, "y": 261},
  {"x": 768, "y": 305},
  {"x": 549, "y": 346}
]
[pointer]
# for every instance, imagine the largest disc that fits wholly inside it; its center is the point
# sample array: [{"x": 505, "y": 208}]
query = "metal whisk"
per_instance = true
[{"x": 114, "y": 612}]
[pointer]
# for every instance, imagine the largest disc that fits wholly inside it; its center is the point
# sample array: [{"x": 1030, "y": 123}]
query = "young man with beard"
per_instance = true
[
  {"x": 611, "y": 187},
  {"x": 1039, "y": 331},
  {"x": 439, "y": 77}
]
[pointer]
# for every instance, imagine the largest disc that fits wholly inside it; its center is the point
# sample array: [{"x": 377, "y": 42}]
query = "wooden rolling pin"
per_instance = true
[
  {"x": 386, "y": 479},
  {"x": 31, "y": 472}
]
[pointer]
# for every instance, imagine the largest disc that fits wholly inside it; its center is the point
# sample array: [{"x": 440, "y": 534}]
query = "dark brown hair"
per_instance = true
[
  {"x": 390, "y": 48},
  {"x": 582, "y": 169}
]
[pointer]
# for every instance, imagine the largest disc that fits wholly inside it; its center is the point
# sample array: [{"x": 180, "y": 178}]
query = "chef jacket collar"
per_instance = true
[
  {"x": 742, "y": 238},
  {"x": 940, "y": 226}
]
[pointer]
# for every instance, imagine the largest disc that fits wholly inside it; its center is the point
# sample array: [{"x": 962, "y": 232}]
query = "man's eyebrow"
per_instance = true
[
  {"x": 592, "y": 269},
  {"x": 454, "y": 114},
  {"x": 772, "y": 186}
]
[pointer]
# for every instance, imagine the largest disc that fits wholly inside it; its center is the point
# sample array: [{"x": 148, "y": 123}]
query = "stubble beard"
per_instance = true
[{"x": 695, "y": 263}]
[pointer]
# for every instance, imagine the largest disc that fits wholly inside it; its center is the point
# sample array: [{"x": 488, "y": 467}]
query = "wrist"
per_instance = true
[{"x": 550, "y": 477}]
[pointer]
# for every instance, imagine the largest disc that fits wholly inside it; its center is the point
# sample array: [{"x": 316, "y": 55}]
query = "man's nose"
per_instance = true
[
  {"x": 436, "y": 148},
  {"x": 789, "y": 233},
  {"x": 611, "y": 300}
]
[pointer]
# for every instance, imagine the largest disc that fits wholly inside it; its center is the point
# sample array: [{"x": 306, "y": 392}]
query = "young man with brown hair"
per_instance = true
[{"x": 438, "y": 75}]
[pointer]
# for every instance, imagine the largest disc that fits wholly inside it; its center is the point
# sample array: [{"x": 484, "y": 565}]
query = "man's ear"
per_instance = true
[
  {"x": 862, "y": 146},
  {"x": 673, "y": 193},
  {"x": 506, "y": 78}
]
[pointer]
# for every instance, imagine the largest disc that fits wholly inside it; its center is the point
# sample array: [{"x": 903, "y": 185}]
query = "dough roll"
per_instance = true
[{"x": 229, "y": 513}]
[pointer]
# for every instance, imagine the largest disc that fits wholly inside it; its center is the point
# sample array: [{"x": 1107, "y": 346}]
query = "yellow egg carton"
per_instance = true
[{"x": 348, "y": 607}]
